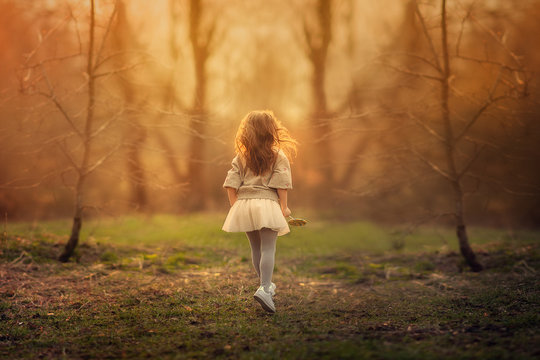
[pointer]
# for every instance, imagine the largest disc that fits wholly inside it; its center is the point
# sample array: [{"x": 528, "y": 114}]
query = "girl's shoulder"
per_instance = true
[
  {"x": 281, "y": 156},
  {"x": 239, "y": 159},
  {"x": 282, "y": 161}
]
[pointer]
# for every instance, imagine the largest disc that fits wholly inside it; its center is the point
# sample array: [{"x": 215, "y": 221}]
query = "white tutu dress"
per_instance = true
[
  {"x": 257, "y": 206},
  {"x": 254, "y": 214}
]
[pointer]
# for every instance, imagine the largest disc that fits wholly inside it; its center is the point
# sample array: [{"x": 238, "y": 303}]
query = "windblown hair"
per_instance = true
[{"x": 259, "y": 138}]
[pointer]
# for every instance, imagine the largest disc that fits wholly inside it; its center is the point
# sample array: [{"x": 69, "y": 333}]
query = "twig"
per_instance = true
[
  {"x": 70, "y": 158},
  {"x": 42, "y": 39},
  {"x": 471, "y": 161},
  {"x": 428, "y": 37},
  {"x": 106, "y": 124},
  {"x": 412, "y": 73},
  {"x": 436, "y": 168},
  {"x": 487, "y": 61},
  {"x": 427, "y": 128},
  {"x": 119, "y": 70},
  {"x": 23, "y": 254},
  {"x": 105, "y": 36},
  {"x": 52, "y": 96},
  {"x": 103, "y": 159}
]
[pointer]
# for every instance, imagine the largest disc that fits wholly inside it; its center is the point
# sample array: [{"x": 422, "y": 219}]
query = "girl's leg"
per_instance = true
[
  {"x": 268, "y": 250},
  {"x": 255, "y": 243}
]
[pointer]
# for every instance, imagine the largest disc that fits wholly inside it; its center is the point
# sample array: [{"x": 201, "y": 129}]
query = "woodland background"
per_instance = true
[{"x": 354, "y": 80}]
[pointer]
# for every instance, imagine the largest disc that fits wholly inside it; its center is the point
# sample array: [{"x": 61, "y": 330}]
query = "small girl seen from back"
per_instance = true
[{"x": 257, "y": 188}]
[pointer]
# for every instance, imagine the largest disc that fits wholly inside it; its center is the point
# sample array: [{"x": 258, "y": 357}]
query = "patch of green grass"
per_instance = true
[
  {"x": 181, "y": 260},
  {"x": 424, "y": 265},
  {"x": 179, "y": 288},
  {"x": 319, "y": 237},
  {"x": 340, "y": 270},
  {"x": 109, "y": 257}
]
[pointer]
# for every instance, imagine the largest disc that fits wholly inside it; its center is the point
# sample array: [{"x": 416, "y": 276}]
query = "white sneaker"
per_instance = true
[
  {"x": 272, "y": 289},
  {"x": 265, "y": 299}
]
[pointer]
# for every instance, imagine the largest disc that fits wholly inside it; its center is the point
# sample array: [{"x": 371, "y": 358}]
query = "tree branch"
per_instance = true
[
  {"x": 427, "y": 128},
  {"x": 42, "y": 39},
  {"x": 433, "y": 166},
  {"x": 504, "y": 187},
  {"x": 471, "y": 161},
  {"x": 428, "y": 37},
  {"x": 53, "y": 98},
  {"x": 412, "y": 73},
  {"x": 487, "y": 61},
  {"x": 106, "y": 35},
  {"x": 106, "y": 124},
  {"x": 104, "y": 158},
  {"x": 117, "y": 71},
  {"x": 69, "y": 157},
  {"x": 476, "y": 116},
  {"x": 414, "y": 56}
]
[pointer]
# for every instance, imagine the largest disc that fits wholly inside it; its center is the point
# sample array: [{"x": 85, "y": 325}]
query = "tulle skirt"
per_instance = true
[{"x": 254, "y": 214}]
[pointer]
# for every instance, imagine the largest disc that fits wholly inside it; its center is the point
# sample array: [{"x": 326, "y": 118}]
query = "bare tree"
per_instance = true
[
  {"x": 82, "y": 155},
  {"x": 170, "y": 99},
  {"x": 317, "y": 36},
  {"x": 124, "y": 43},
  {"x": 201, "y": 41},
  {"x": 454, "y": 134},
  {"x": 82, "y": 167}
]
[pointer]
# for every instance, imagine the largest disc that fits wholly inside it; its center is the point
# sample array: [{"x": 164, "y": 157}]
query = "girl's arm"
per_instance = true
[
  {"x": 231, "y": 193},
  {"x": 282, "y": 194}
]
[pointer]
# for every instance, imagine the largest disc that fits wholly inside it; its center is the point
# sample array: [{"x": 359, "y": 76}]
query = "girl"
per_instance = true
[{"x": 257, "y": 188}]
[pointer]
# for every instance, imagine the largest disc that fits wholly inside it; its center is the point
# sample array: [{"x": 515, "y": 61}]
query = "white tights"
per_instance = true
[{"x": 263, "y": 250}]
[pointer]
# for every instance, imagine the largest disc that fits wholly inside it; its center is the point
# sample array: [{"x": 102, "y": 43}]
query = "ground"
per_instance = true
[{"x": 178, "y": 288}]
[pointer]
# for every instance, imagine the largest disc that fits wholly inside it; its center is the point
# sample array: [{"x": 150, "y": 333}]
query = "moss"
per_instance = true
[
  {"x": 424, "y": 265},
  {"x": 109, "y": 257}
]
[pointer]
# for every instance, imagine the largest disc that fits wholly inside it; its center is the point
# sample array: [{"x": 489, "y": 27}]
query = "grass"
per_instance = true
[{"x": 180, "y": 288}]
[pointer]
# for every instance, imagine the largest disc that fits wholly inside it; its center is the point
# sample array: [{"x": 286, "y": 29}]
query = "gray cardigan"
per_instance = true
[{"x": 251, "y": 186}]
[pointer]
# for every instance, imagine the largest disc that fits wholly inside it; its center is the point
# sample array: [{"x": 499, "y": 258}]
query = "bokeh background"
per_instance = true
[{"x": 357, "y": 82}]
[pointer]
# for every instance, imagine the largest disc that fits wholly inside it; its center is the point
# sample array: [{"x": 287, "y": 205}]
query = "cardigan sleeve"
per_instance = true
[
  {"x": 281, "y": 176},
  {"x": 234, "y": 175}
]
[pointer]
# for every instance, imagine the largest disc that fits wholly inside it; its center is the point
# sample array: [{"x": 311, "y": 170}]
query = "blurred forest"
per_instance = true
[{"x": 132, "y": 106}]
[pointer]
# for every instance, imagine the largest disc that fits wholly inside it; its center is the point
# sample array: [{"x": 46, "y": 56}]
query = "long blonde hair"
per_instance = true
[{"x": 259, "y": 137}]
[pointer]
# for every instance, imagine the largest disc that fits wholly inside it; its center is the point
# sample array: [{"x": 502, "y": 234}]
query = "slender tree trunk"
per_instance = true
[
  {"x": 318, "y": 42},
  {"x": 170, "y": 100},
  {"x": 69, "y": 249},
  {"x": 321, "y": 124},
  {"x": 136, "y": 133},
  {"x": 139, "y": 193},
  {"x": 348, "y": 175},
  {"x": 197, "y": 197},
  {"x": 83, "y": 169},
  {"x": 196, "y": 170},
  {"x": 461, "y": 230}
]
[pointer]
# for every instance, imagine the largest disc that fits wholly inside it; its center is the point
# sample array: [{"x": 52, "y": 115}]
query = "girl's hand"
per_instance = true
[{"x": 286, "y": 211}]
